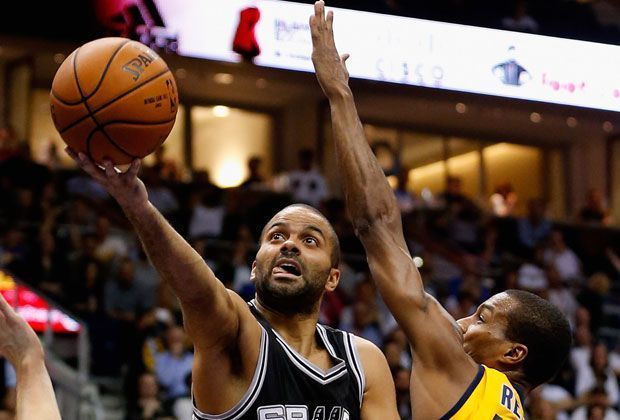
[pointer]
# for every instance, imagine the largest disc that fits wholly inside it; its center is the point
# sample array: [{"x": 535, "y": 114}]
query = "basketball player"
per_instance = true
[
  {"x": 22, "y": 348},
  {"x": 269, "y": 359},
  {"x": 479, "y": 367}
]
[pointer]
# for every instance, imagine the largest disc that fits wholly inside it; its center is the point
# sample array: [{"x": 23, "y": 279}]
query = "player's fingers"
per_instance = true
[
  {"x": 72, "y": 153},
  {"x": 90, "y": 168},
  {"x": 5, "y": 308},
  {"x": 134, "y": 168},
  {"x": 319, "y": 10},
  {"x": 4, "y": 305},
  {"x": 344, "y": 58},
  {"x": 330, "y": 20},
  {"x": 108, "y": 167},
  {"x": 313, "y": 29}
]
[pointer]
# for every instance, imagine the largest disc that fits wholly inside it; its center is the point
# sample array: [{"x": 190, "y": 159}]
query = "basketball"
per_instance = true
[{"x": 115, "y": 99}]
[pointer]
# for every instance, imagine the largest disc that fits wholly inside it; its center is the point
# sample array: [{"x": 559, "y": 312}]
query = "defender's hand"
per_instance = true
[
  {"x": 330, "y": 67},
  {"x": 126, "y": 188}
]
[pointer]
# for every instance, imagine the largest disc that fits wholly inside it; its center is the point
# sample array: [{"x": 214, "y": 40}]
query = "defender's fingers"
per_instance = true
[
  {"x": 319, "y": 11},
  {"x": 330, "y": 20}
]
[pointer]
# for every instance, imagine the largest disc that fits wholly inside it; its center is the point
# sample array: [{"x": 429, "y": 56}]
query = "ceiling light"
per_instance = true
[
  {"x": 221, "y": 111},
  {"x": 535, "y": 117},
  {"x": 223, "y": 78}
]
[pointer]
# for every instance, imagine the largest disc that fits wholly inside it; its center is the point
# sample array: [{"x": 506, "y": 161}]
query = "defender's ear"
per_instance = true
[{"x": 515, "y": 355}]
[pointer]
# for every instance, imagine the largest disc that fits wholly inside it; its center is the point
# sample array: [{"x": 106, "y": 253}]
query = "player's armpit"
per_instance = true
[
  {"x": 379, "y": 394},
  {"x": 223, "y": 370}
]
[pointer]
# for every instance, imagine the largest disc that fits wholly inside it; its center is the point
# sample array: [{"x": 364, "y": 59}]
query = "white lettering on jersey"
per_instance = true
[{"x": 299, "y": 412}]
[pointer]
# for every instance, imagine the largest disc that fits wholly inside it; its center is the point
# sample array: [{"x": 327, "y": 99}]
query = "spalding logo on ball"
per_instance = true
[{"x": 115, "y": 99}]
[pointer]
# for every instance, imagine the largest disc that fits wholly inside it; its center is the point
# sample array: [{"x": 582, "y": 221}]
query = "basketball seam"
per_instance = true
[
  {"x": 90, "y": 113},
  {"x": 107, "y": 67},
  {"x": 110, "y": 102},
  {"x": 105, "y": 70},
  {"x": 138, "y": 122}
]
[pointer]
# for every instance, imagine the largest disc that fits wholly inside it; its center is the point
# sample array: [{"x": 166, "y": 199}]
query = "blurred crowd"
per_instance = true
[{"x": 62, "y": 234}]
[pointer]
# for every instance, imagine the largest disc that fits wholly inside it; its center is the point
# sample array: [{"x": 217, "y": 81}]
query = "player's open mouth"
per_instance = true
[{"x": 287, "y": 267}]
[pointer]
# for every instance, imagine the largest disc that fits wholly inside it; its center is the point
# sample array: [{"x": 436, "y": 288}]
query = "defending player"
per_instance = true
[{"x": 477, "y": 368}]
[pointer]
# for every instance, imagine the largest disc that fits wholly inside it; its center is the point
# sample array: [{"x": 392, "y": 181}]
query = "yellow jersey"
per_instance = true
[{"x": 490, "y": 396}]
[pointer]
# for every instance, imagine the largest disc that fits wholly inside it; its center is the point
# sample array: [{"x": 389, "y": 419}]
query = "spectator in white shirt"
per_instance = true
[
  {"x": 560, "y": 295},
  {"x": 598, "y": 373},
  {"x": 306, "y": 184},
  {"x": 562, "y": 258}
]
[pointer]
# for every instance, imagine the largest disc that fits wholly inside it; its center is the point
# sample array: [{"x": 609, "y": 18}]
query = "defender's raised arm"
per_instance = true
[{"x": 433, "y": 334}]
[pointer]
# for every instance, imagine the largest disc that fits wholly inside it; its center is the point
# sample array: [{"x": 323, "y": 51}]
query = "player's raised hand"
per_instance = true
[
  {"x": 125, "y": 187},
  {"x": 330, "y": 67},
  {"x": 17, "y": 340}
]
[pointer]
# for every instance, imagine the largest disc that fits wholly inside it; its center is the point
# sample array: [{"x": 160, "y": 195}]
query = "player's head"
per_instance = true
[
  {"x": 297, "y": 260},
  {"x": 517, "y": 331}
]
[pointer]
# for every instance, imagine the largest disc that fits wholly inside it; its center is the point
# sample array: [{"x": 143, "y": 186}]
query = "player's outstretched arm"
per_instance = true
[
  {"x": 218, "y": 321},
  {"x": 22, "y": 348},
  {"x": 376, "y": 217}
]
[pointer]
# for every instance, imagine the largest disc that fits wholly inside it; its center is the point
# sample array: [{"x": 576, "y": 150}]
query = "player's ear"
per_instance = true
[
  {"x": 516, "y": 354},
  {"x": 253, "y": 272},
  {"x": 332, "y": 280}
]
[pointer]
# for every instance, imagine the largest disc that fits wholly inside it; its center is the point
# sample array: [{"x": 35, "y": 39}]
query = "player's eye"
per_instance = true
[
  {"x": 311, "y": 241},
  {"x": 276, "y": 236}
]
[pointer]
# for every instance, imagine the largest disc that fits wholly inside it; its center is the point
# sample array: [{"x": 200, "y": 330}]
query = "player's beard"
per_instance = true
[{"x": 301, "y": 298}]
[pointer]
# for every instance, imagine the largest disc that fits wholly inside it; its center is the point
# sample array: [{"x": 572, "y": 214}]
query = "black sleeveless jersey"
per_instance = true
[{"x": 286, "y": 386}]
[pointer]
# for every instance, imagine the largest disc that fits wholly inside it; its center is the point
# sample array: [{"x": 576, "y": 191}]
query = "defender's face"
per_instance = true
[
  {"x": 484, "y": 333},
  {"x": 293, "y": 265}
]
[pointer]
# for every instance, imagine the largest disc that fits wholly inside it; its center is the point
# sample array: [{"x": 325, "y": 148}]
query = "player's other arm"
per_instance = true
[
  {"x": 376, "y": 217},
  {"x": 21, "y": 346},
  {"x": 379, "y": 401}
]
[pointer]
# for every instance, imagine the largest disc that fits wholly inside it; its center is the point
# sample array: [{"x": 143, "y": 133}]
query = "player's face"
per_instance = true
[
  {"x": 484, "y": 333},
  {"x": 293, "y": 265}
]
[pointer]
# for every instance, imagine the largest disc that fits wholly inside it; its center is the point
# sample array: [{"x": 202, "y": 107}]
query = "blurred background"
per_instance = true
[{"x": 496, "y": 124}]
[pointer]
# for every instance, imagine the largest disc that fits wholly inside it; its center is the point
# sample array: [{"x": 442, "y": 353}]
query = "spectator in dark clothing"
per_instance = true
[
  {"x": 86, "y": 279},
  {"x": 12, "y": 171},
  {"x": 534, "y": 228},
  {"x": 124, "y": 300},
  {"x": 594, "y": 211},
  {"x": 150, "y": 405},
  {"x": 593, "y": 297},
  {"x": 254, "y": 179}
]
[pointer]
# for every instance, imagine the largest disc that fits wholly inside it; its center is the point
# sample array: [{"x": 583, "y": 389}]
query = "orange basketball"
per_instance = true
[{"x": 115, "y": 99}]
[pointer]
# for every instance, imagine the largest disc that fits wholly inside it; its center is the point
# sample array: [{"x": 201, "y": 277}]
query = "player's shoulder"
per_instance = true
[{"x": 368, "y": 351}]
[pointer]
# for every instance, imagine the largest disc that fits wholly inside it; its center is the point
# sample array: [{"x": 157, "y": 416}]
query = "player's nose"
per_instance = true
[{"x": 289, "y": 247}]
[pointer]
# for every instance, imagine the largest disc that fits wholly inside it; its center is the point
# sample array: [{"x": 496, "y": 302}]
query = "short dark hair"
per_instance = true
[
  {"x": 539, "y": 325},
  {"x": 332, "y": 236}
]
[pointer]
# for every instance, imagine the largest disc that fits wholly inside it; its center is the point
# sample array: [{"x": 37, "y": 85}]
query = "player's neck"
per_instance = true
[
  {"x": 516, "y": 379},
  {"x": 299, "y": 330}
]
